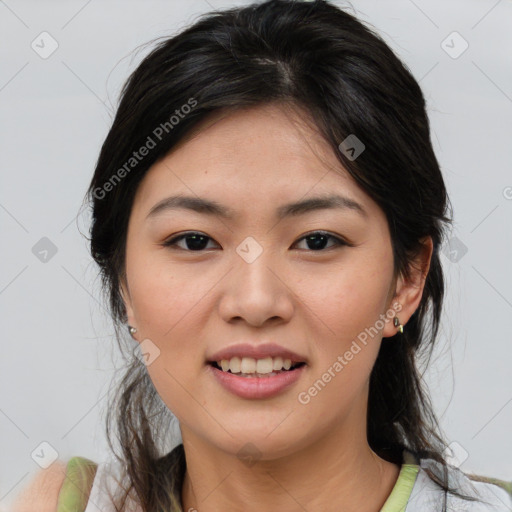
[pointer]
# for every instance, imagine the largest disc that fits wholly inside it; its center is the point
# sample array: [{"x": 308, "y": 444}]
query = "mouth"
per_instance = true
[
  {"x": 249, "y": 367},
  {"x": 251, "y": 378}
]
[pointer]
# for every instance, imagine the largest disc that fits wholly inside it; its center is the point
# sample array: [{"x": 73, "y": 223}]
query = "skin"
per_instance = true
[{"x": 315, "y": 302}]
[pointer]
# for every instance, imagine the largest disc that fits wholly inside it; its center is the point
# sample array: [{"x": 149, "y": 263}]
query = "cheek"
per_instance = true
[
  {"x": 349, "y": 300},
  {"x": 165, "y": 298},
  {"x": 169, "y": 312},
  {"x": 347, "y": 309},
  {"x": 169, "y": 378}
]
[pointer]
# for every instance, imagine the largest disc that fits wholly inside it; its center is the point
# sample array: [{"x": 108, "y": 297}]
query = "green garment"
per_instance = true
[{"x": 74, "y": 493}]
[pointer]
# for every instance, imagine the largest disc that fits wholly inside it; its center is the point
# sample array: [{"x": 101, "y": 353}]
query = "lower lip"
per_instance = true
[{"x": 257, "y": 387}]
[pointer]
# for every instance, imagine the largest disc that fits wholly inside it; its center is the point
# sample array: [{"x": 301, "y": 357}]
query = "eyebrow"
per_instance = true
[{"x": 212, "y": 208}]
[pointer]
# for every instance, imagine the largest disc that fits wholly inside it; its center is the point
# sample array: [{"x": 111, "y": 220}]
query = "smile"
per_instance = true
[
  {"x": 251, "y": 367},
  {"x": 252, "y": 384}
]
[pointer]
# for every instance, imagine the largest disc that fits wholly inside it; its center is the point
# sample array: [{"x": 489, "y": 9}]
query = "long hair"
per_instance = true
[{"x": 319, "y": 58}]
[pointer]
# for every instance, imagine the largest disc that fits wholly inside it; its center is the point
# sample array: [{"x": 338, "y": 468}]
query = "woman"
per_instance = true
[{"x": 267, "y": 217}]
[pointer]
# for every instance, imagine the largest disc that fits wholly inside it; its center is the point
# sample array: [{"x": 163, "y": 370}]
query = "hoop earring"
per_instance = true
[{"x": 397, "y": 324}]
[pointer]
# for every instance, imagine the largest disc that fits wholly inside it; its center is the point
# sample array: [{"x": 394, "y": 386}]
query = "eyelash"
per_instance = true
[{"x": 338, "y": 241}]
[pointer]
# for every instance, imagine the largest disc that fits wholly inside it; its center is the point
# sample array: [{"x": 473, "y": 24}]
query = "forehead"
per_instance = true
[{"x": 250, "y": 157}]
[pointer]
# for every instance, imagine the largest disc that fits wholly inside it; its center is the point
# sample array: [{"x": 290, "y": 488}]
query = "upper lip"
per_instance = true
[{"x": 260, "y": 351}]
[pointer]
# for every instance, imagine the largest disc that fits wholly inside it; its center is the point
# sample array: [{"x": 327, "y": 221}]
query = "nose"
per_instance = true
[{"x": 257, "y": 292}]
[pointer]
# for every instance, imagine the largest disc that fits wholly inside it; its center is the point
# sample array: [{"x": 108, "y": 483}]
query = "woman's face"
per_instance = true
[{"x": 253, "y": 278}]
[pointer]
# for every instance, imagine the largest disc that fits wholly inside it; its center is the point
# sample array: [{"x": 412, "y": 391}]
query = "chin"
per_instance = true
[{"x": 255, "y": 444}]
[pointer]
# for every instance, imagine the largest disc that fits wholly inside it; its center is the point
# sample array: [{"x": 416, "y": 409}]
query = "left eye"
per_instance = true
[
  {"x": 196, "y": 241},
  {"x": 318, "y": 239}
]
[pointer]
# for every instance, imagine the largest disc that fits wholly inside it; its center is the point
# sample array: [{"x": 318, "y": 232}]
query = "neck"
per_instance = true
[{"x": 349, "y": 474}]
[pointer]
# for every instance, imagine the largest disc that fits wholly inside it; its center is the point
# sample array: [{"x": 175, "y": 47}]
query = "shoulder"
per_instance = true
[
  {"x": 491, "y": 494},
  {"x": 42, "y": 492},
  {"x": 63, "y": 484}
]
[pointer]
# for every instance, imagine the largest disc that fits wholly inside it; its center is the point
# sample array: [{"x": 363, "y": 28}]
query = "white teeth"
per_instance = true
[
  {"x": 249, "y": 365},
  {"x": 234, "y": 364},
  {"x": 278, "y": 363},
  {"x": 264, "y": 365}
]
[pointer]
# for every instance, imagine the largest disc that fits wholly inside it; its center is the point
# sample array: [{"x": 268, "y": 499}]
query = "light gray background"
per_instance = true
[{"x": 58, "y": 352}]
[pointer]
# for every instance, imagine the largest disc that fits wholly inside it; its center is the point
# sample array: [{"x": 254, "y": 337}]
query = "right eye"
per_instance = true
[{"x": 194, "y": 241}]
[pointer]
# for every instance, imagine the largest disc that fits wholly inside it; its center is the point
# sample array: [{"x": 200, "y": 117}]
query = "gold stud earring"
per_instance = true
[
  {"x": 397, "y": 323},
  {"x": 132, "y": 331}
]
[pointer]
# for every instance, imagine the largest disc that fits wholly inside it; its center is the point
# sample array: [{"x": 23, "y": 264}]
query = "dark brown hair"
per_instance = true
[{"x": 317, "y": 57}]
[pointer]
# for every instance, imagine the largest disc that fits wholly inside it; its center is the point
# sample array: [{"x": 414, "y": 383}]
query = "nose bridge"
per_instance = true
[
  {"x": 254, "y": 290},
  {"x": 253, "y": 267}
]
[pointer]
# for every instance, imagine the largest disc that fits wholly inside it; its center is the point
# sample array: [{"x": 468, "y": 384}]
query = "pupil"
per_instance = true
[
  {"x": 319, "y": 244},
  {"x": 198, "y": 242}
]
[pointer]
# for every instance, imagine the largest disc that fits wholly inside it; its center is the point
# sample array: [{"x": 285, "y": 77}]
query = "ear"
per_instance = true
[
  {"x": 409, "y": 289},
  {"x": 125, "y": 295}
]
